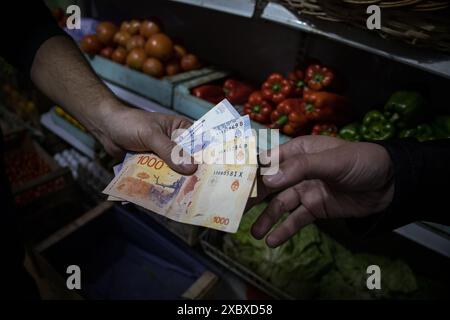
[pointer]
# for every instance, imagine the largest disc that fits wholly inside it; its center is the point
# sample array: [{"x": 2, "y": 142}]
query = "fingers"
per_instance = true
[
  {"x": 282, "y": 203},
  {"x": 280, "y": 153},
  {"x": 296, "y": 169},
  {"x": 298, "y": 219},
  {"x": 163, "y": 146},
  {"x": 300, "y": 145}
]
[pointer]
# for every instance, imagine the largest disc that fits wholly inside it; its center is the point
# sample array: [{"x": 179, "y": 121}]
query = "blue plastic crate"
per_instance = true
[
  {"x": 159, "y": 90},
  {"x": 122, "y": 256}
]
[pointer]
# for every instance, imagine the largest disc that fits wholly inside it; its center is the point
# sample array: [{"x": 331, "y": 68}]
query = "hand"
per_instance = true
[
  {"x": 128, "y": 129},
  {"x": 324, "y": 177}
]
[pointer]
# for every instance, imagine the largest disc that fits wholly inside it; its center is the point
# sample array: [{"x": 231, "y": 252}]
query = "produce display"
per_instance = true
[
  {"x": 20, "y": 101},
  {"x": 140, "y": 45},
  {"x": 63, "y": 114},
  {"x": 24, "y": 166},
  {"x": 304, "y": 102},
  {"x": 237, "y": 92},
  {"x": 31, "y": 166},
  {"x": 298, "y": 104},
  {"x": 402, "y": 117},
  {"x": 311, "y": 264}
]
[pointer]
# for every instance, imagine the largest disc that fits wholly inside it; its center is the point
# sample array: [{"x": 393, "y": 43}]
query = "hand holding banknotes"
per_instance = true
[
  {"x": 323, "y": 177},
  {"x": 137, "y": 130},
  {"x": 215, "y": 196}
]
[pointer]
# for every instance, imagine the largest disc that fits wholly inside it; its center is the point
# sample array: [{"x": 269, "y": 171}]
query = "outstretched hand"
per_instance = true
[{"x": 323, "y": 177}]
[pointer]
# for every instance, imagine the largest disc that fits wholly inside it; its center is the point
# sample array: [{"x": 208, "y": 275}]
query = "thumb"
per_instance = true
[
  {"x": 163, "y": 146},
  {"x": 323, "y": 165}
]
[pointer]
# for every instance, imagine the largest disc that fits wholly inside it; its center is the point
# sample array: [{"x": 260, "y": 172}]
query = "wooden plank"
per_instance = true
[
  {"x": 73, "y": 226},
  {"x": 201, "y": 287}
]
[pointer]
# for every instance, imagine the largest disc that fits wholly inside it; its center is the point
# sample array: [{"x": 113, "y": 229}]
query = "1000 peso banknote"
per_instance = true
[{"x": 214, "y": 197}]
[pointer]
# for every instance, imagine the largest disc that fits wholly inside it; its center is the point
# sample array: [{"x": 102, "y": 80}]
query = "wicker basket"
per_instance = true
[{"x": 418, "y": 22}]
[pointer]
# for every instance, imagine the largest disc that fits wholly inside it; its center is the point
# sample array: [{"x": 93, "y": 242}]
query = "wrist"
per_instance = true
[{"x": 102, "y": 118}]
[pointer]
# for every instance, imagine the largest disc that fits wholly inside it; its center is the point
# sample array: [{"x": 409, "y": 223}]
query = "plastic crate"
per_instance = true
[
  {"x": 187, "y": 104},
  {"x": 12, "y": 128},
  {"x": 60, "y": 177},
  {"x": 190, "y": 234},
  {"x": 123, "y": 257},
  {"x": 159, "y": 90},
  {"x": 84, "y": 137},
  {"x": 211, "y": 242}
]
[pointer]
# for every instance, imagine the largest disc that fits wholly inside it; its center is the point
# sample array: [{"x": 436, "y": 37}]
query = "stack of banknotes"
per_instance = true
[{"x": 223, "y": 145}]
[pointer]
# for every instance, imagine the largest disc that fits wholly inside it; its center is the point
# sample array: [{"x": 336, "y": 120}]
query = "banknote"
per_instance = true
[
  {"x": 221, "y": 113},
  {"x": 215, "y": 196},
  {"x": 240, "y": 151},
  {"x": 235, "y": 128},
  {"x": 116, "y": 170}
]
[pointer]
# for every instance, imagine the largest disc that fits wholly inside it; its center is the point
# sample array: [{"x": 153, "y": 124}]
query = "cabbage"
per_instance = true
[{"x": 312, "y": 264}]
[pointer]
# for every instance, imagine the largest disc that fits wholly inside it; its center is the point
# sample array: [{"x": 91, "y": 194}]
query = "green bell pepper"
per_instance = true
[
  {"x": 375, "y": 127},
  {"x": 422, "y": 132},
  {"x": 405, "y": 108},
  {"x": 407, "y": 133},
  {"x": 441, "y": 126},
  {"x": 351, "y": 132}
]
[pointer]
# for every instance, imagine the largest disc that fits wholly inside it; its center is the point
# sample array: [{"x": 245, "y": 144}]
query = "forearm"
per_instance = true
[
  {"x": 422, "y": 183},
  {"x": 60, "y": 71}
]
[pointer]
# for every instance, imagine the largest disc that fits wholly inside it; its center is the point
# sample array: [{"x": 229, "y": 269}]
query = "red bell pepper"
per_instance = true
[
  {"x": 257, "y": 108},
  {"x": 210, "y": 93},
  {"x": 298, "y": 81},
  {"x": 276, "y": 88},
  {"x": 237, "y": 92},
  {"x": 288, "y": 117},
  {"x": 319, "y": 77},
  {"x": 325, "y": 129},
  {"x": 325, "y": 107}
]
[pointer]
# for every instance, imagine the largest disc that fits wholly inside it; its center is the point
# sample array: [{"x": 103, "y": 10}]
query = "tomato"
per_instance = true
[
  {"x": 121, "y": 38},
  {"x": 105, "y": 32},
  {"x": 135, "y": 41},
  {"x": 136, "y": 58},
  {"x": 172, "y": 68},
  {"x": 135, "y": 25},
  {"x": 106, "y": 52},
  {"x": 159, "y": 46},
  {"x": 180, "y": 51},
  {"x": 190, "y": 62},
  {"x": 57, "y": 13},
  {"x": 90, "y": 44},
  {"x": 153, "y": 67},
  {"x": 149, "y": 28},
  {"x": 125, "y": 27},
  {"x": 119, "y": 55}
]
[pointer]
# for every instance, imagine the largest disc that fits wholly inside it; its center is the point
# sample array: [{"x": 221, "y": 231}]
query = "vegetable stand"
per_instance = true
[{"x": 287, "y": 70}]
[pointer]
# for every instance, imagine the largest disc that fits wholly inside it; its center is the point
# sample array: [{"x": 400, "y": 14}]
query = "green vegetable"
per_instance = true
[
  {"x": 376, "y": 127},
  {"x": 441, "y": 126},
  {"x": 311, "y": 264},
  {"x": 424, "y": 132},
  {"x": 351, "y": 132},
  {"x": 405, "y": 108},
  {"x": 407, "y": 133}
]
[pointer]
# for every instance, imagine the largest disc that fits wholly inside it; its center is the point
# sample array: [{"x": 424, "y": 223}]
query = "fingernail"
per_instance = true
[
  {"x": 273, "y": 179},
  {"x": 257, "y": 233},
  {"x": 272, "y": 241}
]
